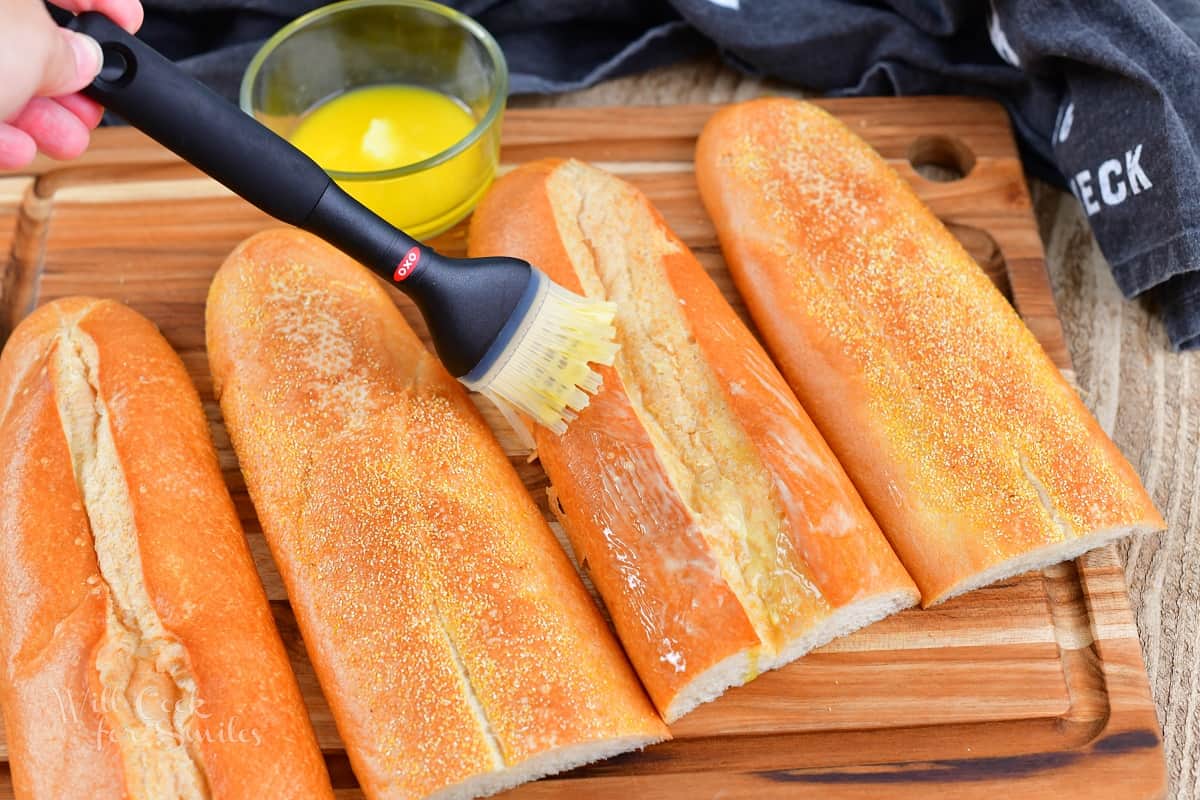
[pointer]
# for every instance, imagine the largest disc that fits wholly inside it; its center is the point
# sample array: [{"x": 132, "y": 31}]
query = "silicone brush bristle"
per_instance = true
[{"x": 545, "y": 370}]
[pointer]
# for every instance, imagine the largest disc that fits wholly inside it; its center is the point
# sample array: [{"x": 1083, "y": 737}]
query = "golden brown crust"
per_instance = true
[
  {"x": 664, "y": 583},
  {"x": 50, "y": 615},
  {"x": 966, "y": 442},
  {"x": 250, "y": 732},
  {"x": 447, "y": 628}
]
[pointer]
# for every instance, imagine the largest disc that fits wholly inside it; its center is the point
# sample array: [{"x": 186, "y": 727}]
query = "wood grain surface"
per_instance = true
[{"x": 1034, "y": 685}]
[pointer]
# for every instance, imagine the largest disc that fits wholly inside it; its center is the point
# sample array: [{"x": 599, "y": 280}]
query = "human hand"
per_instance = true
[{"x": 42, "y": 69}]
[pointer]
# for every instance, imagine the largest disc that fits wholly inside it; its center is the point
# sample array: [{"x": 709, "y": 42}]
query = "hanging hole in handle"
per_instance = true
[
  {"x": 941, "y": 158},
  {"x": 119, "y": 66}
]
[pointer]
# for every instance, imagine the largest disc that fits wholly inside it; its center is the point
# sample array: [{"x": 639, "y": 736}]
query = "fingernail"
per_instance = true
[{"x": 88, "y": 55}]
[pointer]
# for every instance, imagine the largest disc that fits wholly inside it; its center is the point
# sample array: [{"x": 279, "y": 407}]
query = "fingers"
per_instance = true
[
  {"x": 51, "y": 64},
  {"x": 60, "y": 132},
  {"x": 72, "y": 60},
  {"x": 17, "y": 147},
  {"x": 56, "y": 131},
  {"x": 37, "y": 57},
  {"x": 88, "y": 111},
  {"x": 126, "y": 13}
]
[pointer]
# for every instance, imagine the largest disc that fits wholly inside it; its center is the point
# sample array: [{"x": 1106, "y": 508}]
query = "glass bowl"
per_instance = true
[{"x": 362, "y": 43}]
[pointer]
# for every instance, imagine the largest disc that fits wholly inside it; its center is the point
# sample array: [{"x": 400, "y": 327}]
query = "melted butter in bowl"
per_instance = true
[{"x": 388, "y": 127}]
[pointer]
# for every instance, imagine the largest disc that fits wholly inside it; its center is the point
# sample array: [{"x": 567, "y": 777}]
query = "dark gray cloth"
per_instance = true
[
  {"x": 1106, "y": 92},
  {"x": 550, "y": 45},
  {"x": 1104, "y": 96}
]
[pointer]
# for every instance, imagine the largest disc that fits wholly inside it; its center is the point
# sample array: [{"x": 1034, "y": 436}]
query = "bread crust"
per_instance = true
[
  {"x": 971, "y": 450},
  {"x": 446, "y": 626},
  {"x": 661, "y": 578},
  {"x": 249, "y": 731}
]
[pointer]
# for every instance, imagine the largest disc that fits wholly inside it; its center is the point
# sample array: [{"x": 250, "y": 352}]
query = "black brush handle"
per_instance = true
[
  {"x": 465, "y": 308},
  {"x": 185, "y": 116}
]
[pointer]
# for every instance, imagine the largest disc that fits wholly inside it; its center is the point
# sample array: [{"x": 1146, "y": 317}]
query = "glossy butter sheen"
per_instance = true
[{"x": 703, "y": 590}]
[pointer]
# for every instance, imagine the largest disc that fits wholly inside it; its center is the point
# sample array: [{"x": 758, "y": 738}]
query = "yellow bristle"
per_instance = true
[{"x": 546, "y": 371}]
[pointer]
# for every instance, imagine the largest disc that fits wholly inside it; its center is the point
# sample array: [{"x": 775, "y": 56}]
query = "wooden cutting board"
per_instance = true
[{"x": 1034, "y": 686}]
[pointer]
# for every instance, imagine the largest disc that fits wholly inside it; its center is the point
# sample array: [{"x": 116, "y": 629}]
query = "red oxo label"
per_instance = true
[{"x": 408, "y": 264}]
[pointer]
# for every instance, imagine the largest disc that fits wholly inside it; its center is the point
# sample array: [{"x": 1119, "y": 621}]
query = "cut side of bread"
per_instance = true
[
  {"x": 143, "y": 671},
  {"x": 138, "y": 652},
  {"x": 550, "y": 762},
  {"x": 969, "y": 447},
  {"x": 694, "y": 438},
  {"x": 1048, "y": 555},
  {"x": 617, "y": 250}
]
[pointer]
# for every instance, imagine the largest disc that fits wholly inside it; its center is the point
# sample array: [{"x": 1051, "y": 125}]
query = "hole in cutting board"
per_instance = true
[
  {"x": 986, "y": 252},
  {"x": 941, "y": 158}
]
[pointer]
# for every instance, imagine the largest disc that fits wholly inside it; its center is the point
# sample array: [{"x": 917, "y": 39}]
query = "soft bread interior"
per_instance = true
[
  {"x": 1042, "y": 557},
  {"x": 739, "y": 668},
  {"x": 1073, "y": 543},
  {"x": 841, "y": 622},
  {"x": 148, "y": 692},
  {"x": 617, "y": 246},
  {"x": 549, "y": 762},
  {"x": 735, "y": 670}
]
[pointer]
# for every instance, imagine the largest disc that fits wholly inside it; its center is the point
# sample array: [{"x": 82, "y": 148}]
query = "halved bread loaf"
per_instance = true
[
  {"x": 976, "y": 457},
  {"x": 138, "y": 654},
  {"x": 459, "y": 652},
  {"x": 715, "y": 523}
]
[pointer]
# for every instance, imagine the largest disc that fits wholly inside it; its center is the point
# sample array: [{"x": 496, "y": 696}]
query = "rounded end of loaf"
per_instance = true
[
  {"x": 35, "y": 332},
  {"x": 510, "y": 221},
  {"x": 245, "y": 271},
  {"x": 30, "y": 342}
]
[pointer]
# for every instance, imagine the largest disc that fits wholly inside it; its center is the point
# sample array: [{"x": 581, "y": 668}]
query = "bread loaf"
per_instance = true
[
  {"x": 459, "y": 652},
  {"x": 976, "y": 457},
  {"x": 712, "y": 518},
  {"x": 138, "y": 655}
]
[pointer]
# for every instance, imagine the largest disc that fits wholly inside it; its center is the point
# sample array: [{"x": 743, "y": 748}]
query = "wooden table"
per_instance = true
[{"x": 1145, "y": 396}]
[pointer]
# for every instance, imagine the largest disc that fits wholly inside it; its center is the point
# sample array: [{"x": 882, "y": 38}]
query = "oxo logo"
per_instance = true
[{"x": 408, "y": 264}]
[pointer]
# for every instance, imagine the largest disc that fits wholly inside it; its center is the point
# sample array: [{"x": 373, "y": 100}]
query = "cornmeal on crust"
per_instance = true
[
  {"x": 458, "y": 650},
  {"x": 972, "y": 451}
]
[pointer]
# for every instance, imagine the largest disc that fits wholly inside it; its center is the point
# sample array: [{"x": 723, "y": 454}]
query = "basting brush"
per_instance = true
[{"x": 498, "y": 324}]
